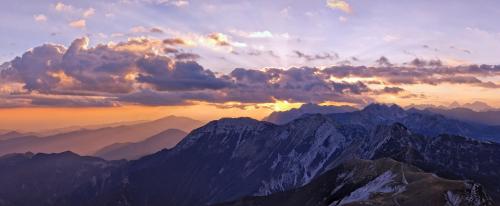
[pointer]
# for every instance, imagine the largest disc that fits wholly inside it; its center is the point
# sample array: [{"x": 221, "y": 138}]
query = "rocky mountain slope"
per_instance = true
[{"x": 379, "y": 182}]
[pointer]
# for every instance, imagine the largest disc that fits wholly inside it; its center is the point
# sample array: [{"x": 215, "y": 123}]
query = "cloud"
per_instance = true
[
  {"x": 89, "y": 12},
  {"x": 174, "y": 41},
  {"x": 261, "y": 34},
  {"x": 390, "y": 38},
  {"x": 393, "y": 90},
  {"x": 180, "y": 3},
  {"x": 40, "y": 18},
  {"x": 156, "y": 30},
  {"x": 383, "y": 62},
  {"x": 314, "y": 57},
  {"x": 142, "y": 29},
  {"x": 219, "y": 39},
  {"x": 158, "y": 72},
  {"x": 79, "y": 24},
  {"x": 177, "y": 3},
  {"x": 63, "y": 7},
  {"x": 181, "y": 76},
  {"x": 340, "y": 5},
  {"x": 461, "y": 49}
]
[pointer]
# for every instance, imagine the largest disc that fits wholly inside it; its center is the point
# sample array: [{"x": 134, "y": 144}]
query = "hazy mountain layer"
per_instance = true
[{"x": 131, "y": 151}]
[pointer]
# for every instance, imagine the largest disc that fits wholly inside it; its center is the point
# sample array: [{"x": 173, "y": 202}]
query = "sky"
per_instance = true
[{"x": 116, "y": 60}]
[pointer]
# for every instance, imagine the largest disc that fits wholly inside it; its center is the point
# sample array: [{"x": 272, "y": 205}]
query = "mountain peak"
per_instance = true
[
  {"x": 381, "y": 107},
  {"x": 240, "y": 121},
  {"x": 385, "y": 110}
]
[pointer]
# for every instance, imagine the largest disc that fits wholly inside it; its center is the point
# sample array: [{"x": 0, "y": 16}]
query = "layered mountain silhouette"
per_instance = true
[
  {"x": 11, "y": 134},
  {"x": 166, "y": 139},
  {"x": 87, "y": 142},
  {"x": 229, "y": 159}
]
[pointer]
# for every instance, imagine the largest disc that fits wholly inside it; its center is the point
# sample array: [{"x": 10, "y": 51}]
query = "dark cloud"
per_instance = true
[
  {"x": 383, "y": 62},
  {"x": 156, "y": 30},
  {"x": 355, "y": 88},
  {"x": 314, "y": 57},
  {"x": 187, "y": 56},
  {"x": 174, "y": 41},
  {"x": 181, "y": 76},
  {"x": 423, "y": 63},
  {"x": 393, "y": 90},
  {"x": 219, "y": 39},
  {"x": 257, "y": 53}
]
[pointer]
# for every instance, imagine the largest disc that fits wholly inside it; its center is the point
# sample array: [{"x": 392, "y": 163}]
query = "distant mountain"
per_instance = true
[
  {"x": 166, "y": 139},
  {"x": 464, "y": 114},
  {"x": 51, "y": 132},
  {"x": 476, "y": 106},
  {"x": 87, "y": 142},
  {"x": 43, "y": 179},
  {"x": 287, "y": 116},
  {"x": 11, "y": 135},
  {"x": 380, "y": 182}
]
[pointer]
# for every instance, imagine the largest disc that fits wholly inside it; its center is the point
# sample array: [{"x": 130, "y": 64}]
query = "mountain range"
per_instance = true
[
  {"x": 89, "y": 141},
  {"x": 476, "y": 106},
  {"x": 284, "y": 117},
  {"x": 489, "y": 117},
  {"x": 381, "y": 155}
]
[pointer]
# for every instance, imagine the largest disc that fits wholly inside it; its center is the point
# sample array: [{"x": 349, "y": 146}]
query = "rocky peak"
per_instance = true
[{"x": 394, "y": 130}]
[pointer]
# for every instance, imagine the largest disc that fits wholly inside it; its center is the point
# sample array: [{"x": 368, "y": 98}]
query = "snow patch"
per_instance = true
[{"x": 382, "y": 184}]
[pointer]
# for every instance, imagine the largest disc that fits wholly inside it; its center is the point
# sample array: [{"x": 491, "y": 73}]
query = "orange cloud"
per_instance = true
[
  {"x": 340, "y": 5},
  {"x": 79, "y": 24}
]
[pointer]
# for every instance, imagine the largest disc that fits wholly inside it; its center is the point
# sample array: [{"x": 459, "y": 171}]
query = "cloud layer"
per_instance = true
[{"x": 159, "y": 72}]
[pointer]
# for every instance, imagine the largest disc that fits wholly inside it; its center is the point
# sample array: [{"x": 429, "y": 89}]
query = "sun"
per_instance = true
[{"x": 284, "y": 105}]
